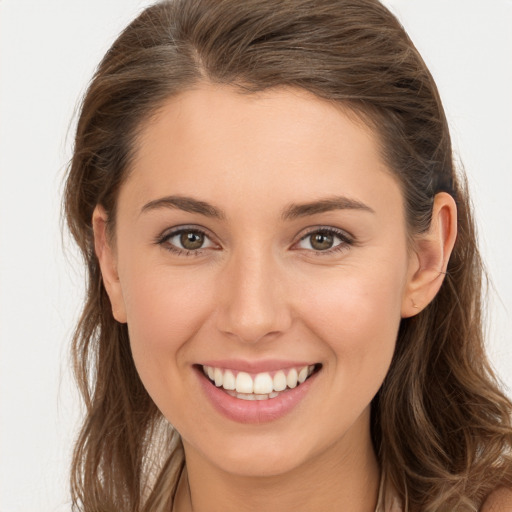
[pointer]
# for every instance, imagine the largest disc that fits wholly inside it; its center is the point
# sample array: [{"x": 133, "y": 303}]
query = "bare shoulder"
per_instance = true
[{"x": 499, "y": 500}]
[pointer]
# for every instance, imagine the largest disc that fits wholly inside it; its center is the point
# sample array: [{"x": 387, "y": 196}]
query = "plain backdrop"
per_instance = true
[{"x": 48, "y": 51}]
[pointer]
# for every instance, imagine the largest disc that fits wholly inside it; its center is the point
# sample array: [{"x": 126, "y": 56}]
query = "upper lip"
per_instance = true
[{"x": 265, "y": 365}]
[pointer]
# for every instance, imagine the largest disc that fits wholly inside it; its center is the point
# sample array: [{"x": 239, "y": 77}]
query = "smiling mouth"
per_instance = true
[{"x": 259, "y": 386}]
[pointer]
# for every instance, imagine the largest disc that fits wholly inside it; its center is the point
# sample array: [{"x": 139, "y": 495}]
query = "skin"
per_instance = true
[
  {"x": 499, "y": 501},
  {"x": 258, "y": 288}
]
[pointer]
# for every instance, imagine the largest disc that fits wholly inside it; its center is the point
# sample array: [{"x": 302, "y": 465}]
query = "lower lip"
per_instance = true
[{"x": 254, "y": 411}]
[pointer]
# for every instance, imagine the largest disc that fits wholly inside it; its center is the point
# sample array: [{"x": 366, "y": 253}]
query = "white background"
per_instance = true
[{"x": 48, "y": 51}]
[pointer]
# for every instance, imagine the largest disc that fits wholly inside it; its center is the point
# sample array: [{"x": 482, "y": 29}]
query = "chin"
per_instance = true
[
  {"x": 260, "y": 454},
  {"x": 260, "y": 463}
]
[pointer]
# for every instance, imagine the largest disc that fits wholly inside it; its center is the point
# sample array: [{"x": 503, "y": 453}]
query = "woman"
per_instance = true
[{"x": 282, "y": 266}]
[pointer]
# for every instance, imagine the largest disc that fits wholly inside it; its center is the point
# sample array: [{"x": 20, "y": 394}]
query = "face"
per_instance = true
[{"x": 260, "y": 239}]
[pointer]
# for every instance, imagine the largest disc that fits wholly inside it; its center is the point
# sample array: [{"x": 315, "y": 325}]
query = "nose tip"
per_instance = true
[
  {"x": 253, "y": 305},
  {"x": 249, "y": 328}
]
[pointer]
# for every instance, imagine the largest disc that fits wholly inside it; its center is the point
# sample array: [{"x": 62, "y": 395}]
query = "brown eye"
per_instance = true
[
  {"x": 191, "y": 240},
  {"x": 321, "y": 241},
  {"x": 186, "y": 242},
  {"x": 325, "y": 240}
]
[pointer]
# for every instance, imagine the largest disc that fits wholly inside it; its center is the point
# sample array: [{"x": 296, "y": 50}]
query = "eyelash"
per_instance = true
[
  {"x": 345, "y": 241},
  {"x": 163, "y": 240}
]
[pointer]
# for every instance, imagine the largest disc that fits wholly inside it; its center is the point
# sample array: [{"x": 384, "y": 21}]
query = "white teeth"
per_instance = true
[
  {"x": 244, "y": 383},
  {"x": 279, "y": 381},
  {"x": 251, "y": 396},
  {"x": 262, "y": 387},
  {"x": 229, "y": 382},
  {"x": 217, "y": 375},
  {"x": 291, "y": 379},
  {"x": 246, "y": 396},
  {"x": 263, "y": 384},
  {"x": 303, "y": 374}
]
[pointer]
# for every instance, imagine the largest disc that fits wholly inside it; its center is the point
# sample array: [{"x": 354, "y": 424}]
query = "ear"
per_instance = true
[
  {"x": 430, "y": 255},
  {"x": 108, "y": 263}
]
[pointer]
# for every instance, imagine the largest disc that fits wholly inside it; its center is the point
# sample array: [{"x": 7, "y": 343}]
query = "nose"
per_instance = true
[{"x": 253, "y": 304}]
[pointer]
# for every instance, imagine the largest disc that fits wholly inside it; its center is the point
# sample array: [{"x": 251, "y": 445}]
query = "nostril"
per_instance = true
[{"x": 252, "y": 334}]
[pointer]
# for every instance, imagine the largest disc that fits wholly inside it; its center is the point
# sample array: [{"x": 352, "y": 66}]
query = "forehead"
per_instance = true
[{"x": 282, "y": 143}]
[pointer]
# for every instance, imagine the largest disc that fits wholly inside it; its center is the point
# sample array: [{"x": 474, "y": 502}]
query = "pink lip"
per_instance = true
[
  {"x": 267, "y": 365},
  {"x": 253, "y": 411}
]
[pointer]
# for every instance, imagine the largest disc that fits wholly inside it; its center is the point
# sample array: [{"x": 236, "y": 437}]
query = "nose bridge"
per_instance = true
[{"x": 253, "y": 301}]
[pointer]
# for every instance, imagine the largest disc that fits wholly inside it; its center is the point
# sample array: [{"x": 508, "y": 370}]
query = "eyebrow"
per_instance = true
[
  {"x": 187, "y": 204},
  {"x": 291, "y": 212},
  {"x": 328, "y": 204}
]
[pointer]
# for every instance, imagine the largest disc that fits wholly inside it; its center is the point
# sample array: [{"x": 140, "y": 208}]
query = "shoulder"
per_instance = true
[{"x": 499, "y": 500}]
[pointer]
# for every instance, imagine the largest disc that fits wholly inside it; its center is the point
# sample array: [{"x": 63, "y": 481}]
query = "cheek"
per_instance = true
[
  {"x": 357, "y": 315},
  {"x": 356, "y": 304},
  {"x": 359, "y": 327},
  {"x": 164, "y": 311}
]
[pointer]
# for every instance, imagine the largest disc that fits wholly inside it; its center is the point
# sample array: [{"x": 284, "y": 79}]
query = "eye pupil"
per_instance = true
[
  {"x": 321, "y": 241},
  {"x": 191, "y": 240}
]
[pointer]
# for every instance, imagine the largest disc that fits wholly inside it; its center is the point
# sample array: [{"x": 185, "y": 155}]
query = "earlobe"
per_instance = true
[
  {"x": 108, "y": 264},
  {"x": 430, "y": 256}
]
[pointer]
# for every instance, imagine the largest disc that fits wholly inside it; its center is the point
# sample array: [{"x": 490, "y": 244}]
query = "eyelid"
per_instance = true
[
  {"x": 169, "y": 233},
  {"x": 346, "y": 239}
]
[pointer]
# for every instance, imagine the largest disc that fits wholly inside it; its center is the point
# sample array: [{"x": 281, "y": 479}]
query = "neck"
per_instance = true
[{"x": 344, "y": 477}]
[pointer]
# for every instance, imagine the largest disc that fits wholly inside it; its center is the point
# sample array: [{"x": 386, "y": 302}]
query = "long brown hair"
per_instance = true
[{"x": 440, "y": 424}]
